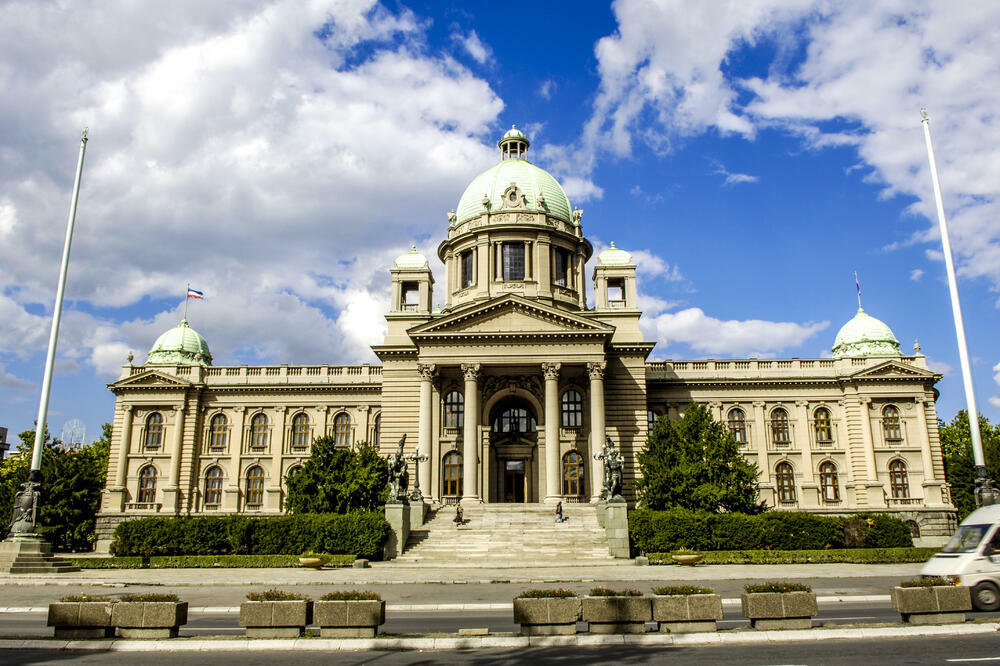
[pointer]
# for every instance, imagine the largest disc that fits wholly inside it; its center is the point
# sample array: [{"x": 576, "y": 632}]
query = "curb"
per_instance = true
[{"x": 454, "y": 643}]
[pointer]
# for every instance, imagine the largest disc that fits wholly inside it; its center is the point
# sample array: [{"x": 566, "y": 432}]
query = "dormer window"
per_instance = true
[
  {"x": 410, "y": 296},
  {"x": 616, "y": 292}
]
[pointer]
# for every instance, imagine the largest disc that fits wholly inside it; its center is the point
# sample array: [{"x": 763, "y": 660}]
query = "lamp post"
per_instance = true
[
  {"x": 416, "y": 495},
  {"x": 985, "y": 492}
]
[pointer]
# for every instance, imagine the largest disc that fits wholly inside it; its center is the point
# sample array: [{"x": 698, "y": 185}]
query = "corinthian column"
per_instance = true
[
  {"x": 125, "y": 443},
  {"x": 552, "y": 490},
  {"x": 470, "y": 450},
  {"x": 424, "y": 432},
  {"x": 596, "y": 372}
]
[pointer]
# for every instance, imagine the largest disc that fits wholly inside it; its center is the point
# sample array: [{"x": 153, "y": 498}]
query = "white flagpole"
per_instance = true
[
  {"x": 956, "y": 310},
  {"x": 187, "y": 294}
]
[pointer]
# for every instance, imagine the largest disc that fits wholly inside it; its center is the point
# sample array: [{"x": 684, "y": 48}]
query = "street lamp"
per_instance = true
[{"x": 416, "y": 495}]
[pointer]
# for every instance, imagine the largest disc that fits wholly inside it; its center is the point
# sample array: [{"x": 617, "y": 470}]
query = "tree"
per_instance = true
[
  {"x": 695, "y": 463},
  {"x": 337, "y": 480},
  {"x": 960, "y": 466},
  {"x": 72, "y": 482}
]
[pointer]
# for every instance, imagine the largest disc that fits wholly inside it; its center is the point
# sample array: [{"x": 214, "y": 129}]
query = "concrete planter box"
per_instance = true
[
  {"x": 275, "y": 619},
  {"x": 617, "y": 615},
  {"x": 81, "y": 619},
  {"x": 687, "y": 613},
  {"x": 546, "y": 617},
  {"x": 149, "y": 619},
  {"x": 780, "y": 610},
  {"x": 941, "y": 604},
  {"x": 349, "y": 619}
]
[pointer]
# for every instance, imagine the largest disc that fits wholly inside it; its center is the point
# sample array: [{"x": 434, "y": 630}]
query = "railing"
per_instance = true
[{"x": 903, "y": 501}]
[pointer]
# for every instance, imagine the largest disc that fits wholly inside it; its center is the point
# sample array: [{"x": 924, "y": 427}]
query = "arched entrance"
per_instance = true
[{"x": 513, "y": 443}]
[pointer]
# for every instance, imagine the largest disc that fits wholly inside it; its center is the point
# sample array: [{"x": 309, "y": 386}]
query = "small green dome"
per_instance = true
[
  {"x": 513, "y": 133},
  {"x": 411, "y": 261},
  {"x": 614, "y": 257},
  {"x": 865, "y": 335},
  {"x": 181, "y": 345}
]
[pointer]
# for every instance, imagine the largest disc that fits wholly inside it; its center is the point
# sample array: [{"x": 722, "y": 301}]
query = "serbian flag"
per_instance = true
[{"x": 194, "y": 293}]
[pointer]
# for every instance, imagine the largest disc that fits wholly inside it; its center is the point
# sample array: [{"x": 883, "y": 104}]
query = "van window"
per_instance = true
[{"x": 966, "y": 539}]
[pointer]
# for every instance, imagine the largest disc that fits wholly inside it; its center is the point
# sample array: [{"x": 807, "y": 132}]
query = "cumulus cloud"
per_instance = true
[
  {"x": 546, "y": 89},
  {"x": 733, "y": 178},
  {"x": 916, "y": 274},
  {"x": 995, "y": 400},
  {"x": 474, "y": 46},
  {"x": 14, "y": 383}
]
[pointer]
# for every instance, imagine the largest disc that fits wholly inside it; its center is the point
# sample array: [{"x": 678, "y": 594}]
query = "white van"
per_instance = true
[{"x": 972, "y": 558}]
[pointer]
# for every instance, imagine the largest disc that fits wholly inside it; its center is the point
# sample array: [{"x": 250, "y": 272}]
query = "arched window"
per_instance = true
[
  {"x": 891, "y": 426},
  {"x": 147, "y": 485},
  {"x": 899, "y": 482},
  {"x": 153, "y": 433},
  {"x": 738, "y": 425},
  {"x": 823, "y": 426},
  {"x": 218, "y": 432},
  {"x": 342, "y": 429},
  {"x": 258, "y": 431},
  {"x": 255, "y": 486},
  {"x": 780, "y": 432},
  {"x": 377, "y": 431},
  {"x": 213, "y": 486},
  {"x": 451, "y": 475},
  {"x": 454, "y": 410},
  {"x": 572, "y": 409},
  {"x": 785, "y": 480},
  {"x": 828, "y": 483},
  {"x": 291, "y": 472},
  {"x": 300, "y": 431},
  {"x": 572, "y": 471},
  {"x": 514, "y": 420}
]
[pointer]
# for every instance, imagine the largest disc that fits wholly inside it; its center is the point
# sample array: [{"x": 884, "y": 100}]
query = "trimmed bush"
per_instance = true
[
  {"x": 150, "y": 598},
  {"x": 608, "y": 592},
  {"x": 351, "y": 595},
  {"x": 358, "y": 534},
  {"x": 276, "y": 595},
  {"x": 929, "y": 581},
  {"x": 561, "y": 593},
  {"x": 855, "y": 555},
  {"x": 776, "y": 586},
  {"x": 679, "y": 590}
]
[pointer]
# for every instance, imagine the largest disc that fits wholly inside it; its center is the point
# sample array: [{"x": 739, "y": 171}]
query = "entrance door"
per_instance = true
[{"x": 513, "y": 481}]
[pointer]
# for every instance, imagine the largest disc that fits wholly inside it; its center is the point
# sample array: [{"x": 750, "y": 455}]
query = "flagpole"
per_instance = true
[
  {"x": 985, "y": 493},
  {"x": 857, "y": 282},
  {"x": 187, "y": 292}
]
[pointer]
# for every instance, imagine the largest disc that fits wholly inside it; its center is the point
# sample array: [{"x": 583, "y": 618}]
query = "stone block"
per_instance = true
[
  {"x": 617, "y": 615},
  {"x": 934, "y": 618},
  {"x": 360, "y": 564},
  {"x": 783, "y": 623},
  {"x": 74, "y": 620},
  {"x": 347, "y": 632},
  {"x": 547, "y": 611},
  {"x": 937, "y": 599},
  {"x": 687, "y": 607},
  {"x": 149, "y": 619},
  {"x": 344, "y": 614},
  {"x": 275, "y": 619},
  {"x": 398, "y": 517},
  {"x": 274, "y": 632},
  {"x": 694, "y": 627},
  {"x": 776, "y": 605}
]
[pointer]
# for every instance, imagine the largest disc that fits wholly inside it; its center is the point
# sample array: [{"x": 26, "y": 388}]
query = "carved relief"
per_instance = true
[
  {"x": 529, "y": 383},
  {"x": 551, "y": 370},
  {"x": 471, "y": 371},
  {"x": 426, "y": 371},
  {"x": 596, "y": 370}
]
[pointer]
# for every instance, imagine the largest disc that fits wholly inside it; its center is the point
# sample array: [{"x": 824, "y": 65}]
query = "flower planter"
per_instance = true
[
  {"x": 941, "y": 604},
  {"x": 81, "y": 619},
  {"x": 349, "y": 619},
  {"x": 548, "y": 616},
  {"x": 780, "y": 610},
  {"x": 313, "y": 562},
  {"x": 688, "y": 559},
  {"x": 275, "y": 619},
  {"x": 617, "y": 615},
  {"x": 149, "y": 619},
  {"x": 687, "y": 613}
]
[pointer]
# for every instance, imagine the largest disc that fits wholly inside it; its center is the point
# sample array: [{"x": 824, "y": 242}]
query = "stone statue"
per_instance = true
[
  {"x": 614, "y": 464},
  {"x": 399, "y": 477},
  {"x": 25, "y": 514}
]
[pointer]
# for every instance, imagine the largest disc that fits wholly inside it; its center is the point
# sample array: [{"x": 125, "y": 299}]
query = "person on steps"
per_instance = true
[
  {"x": 559, "y": 513},
  {"x": 459, "y": 519}
]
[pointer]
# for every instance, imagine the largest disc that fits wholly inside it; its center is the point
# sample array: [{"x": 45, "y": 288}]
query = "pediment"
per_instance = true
[
  {"x": 511, "y": 316},
  {"x": 150, "y": 379},
  {"x": 893, "y": 370}
]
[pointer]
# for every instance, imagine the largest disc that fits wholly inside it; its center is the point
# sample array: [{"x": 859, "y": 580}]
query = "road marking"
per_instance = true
[{"x": 975, "y": 659}]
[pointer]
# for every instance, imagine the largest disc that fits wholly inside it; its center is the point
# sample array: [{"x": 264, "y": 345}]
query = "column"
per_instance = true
[
  {"x": 925, "y": 444},
  {"x": 553, "y": 493},
  {"x": 125, "y": 442},
  {"x": 425, "y": 421},
  {"x": 596, "y": 372},
  {"x": 470, "y": 435},
  {"x": 804, "y": 440},
  {"x": 231, "y": 493},
  {"x": 868, "y": 443},
  {"x": 760, "y": 425},
  {"x": 277, "y": 449},
  {"x": 172, "y": 493}
]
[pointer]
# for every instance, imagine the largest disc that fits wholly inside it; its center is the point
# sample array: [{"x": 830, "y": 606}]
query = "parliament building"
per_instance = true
[{"x": 512, "y": 385}]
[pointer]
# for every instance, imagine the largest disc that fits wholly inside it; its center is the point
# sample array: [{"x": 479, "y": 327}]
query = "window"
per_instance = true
[
  {"x": 213, "y": 486},
  {"x": 454, "y": 410},
  {"x": 891, "y": 426},
  {"x": 616, "y": 292},
  {"x": 342, "y": 429},
  {"x": 513, "y": 261},
  {"x": 300, "y": 431},
  {"x": 514, "y": 420},
  {"x": 290, "y": 473},
  {"x": 828, "y": 484},
  {"x": 823, "y": 426},
  {"x": 468, "y": 278},
  {"x": 411, "y": 297},
  {"x": 255, "y": 486},
  {"x": 785, "y": 480},
  {"x": 153, "y": 434},
  {"x": 572, "y": 409},
  {"x": 780, "y": 434},
  {"x": 738, "y": 425},
  {"x": 218, "y": 432},
  {"x": 572, "y": 471},
  {"x": 451, "y": 475},
  {"x": 899, "y": 484},
  {"x": 258, "y": 432},
  {"x": 147, "y": 485},
  {"x": 377, "y": 431},
  {"x": 560, "y": 267},
  {"x": 651, "y": 417}
]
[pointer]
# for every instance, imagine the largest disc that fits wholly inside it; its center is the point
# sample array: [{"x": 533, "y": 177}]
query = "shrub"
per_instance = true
[
  {"x": 276, "y": 595},
  {"x": 351, "y": 595},
  {"x": 854, "y": 555},
  {"x": 608, "y": 592},
  {"x": 777, "y": 587},
  {"x": 677, "y": 590},
  {"x": 561, "y": 593},
  {"x": 929, "y": 581},
  {"x": 83, "y": 598},
  {"x": 151, "y": 597}
]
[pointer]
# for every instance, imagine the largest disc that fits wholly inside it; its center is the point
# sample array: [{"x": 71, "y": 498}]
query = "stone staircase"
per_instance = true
[
  {"x": 29, "y": 556},
  {"x": 509, "y": 535}
]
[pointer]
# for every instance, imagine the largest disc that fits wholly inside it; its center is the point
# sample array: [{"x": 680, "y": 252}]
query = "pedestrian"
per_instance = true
[
  {"x": 559, "y": 513},
  {"x": 459, "y": 519}
]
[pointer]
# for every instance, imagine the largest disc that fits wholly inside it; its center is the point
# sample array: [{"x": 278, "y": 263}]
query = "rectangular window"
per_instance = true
[
  {"x": 467, "y": 276},
  {"x": 513, "y": 261},
  {"x": 616, "y": 293},
  {"x": 560, "y": 273},
  {"x": 411, "y": 296}
]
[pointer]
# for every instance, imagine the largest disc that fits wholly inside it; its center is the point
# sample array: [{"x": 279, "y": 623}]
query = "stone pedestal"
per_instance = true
[
  {"x": 171, "y": 500},
  {"x": 616, "y": 527},
  {"x": 418, "y": 513},
  {"x": 30, "y": 554},
  {"x": 398, "y": 516}
]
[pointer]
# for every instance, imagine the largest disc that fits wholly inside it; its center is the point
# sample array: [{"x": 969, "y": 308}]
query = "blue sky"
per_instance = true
[{"x": 278, "y": 156}]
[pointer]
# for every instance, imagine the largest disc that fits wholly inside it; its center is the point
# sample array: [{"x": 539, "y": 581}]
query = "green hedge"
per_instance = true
[
  {"x": 673, "y": 529},
  {"x": 357, "y": 534},
  {"x": 849, "y": 555},
  {"x": 202, "y": 562}
]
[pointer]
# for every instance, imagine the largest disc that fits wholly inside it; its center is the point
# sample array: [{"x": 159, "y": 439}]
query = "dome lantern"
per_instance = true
[{"x": 514, "y": 144}]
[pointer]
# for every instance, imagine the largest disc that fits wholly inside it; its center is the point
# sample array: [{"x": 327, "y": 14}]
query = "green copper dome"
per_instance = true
[
  {"x": 865, "y": 335},
  {"x": 614, "y": 257},
  {"x": 411, "y": 261},
  {"x": 181, "y": 345}
]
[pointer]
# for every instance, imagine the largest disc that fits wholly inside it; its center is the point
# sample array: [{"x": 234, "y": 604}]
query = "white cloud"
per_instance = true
[
  {"x": 546, "y": 89},
  {"x": 938, "y": 366},
  {"x": 474, "y": 46},
  {"x": 12, "y": 382},
  {"x": 916, "y": 274},
  {"x": 733, "y": 178},
  {"x": 995, "y": 400}
]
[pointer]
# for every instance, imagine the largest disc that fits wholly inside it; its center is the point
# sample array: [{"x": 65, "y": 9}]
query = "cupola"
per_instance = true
[
  {"x": 514, "y": 144},
  {"x": 181, "y": 345},
  {"x": 865, "y": 335}
]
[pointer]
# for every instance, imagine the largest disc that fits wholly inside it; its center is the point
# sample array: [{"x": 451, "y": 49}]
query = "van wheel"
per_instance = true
[{"x": 986, "y": 596}]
